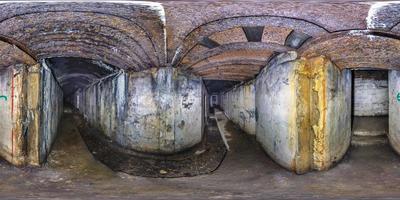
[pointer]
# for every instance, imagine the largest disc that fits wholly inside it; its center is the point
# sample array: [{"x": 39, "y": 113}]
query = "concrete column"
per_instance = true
[
  {"x": 275, "y": 111},
  {"x": 394, "y": 109},
  {"x": 157, "y": 111},
  {"x": 303, "y": 112},
  {"x": 33, "y": 101}
]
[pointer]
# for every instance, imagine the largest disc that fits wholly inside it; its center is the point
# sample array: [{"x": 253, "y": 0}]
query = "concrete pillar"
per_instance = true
[
  {"x": 394, "y": 109},
  {"x": 303, "y": 112},
  {"x": 32, "y": 102},
  {"x": 158, "y": 111},
  {"x": 30, "y": 106}
]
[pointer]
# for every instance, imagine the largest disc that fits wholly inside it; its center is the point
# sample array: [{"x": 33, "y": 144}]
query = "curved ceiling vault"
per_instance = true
[
  {"x": 11, "y": 55},
  {"x": 358, "y": 49},
  {"x": 81, "y": 40},
  {"x": 127, "y": 35},
  {"x": 222, "y": 40},
  {"x": 226, "y": 42},
  {"x": 237, "y": 48}
]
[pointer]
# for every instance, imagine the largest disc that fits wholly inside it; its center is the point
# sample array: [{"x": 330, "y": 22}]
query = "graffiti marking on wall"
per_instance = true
[
  {"x": 398, "y": 97},
  {"x": 3, "y": 97}
]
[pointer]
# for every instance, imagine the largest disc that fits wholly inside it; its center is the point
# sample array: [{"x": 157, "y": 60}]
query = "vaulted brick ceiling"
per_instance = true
[{"x": 218, "y": 40}]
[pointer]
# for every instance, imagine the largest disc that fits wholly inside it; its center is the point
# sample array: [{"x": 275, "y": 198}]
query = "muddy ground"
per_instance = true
[
  {"x": 246, "y": 172},
  {"x": 202, "y": 159}
]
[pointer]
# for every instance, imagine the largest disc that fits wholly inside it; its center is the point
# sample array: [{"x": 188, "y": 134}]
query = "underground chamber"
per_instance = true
[
  {"x": 149, "y": 123},
  {"x": 306, "y": 111}
]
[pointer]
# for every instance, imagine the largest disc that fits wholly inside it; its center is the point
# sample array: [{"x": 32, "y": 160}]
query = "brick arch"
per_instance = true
[
  {"x": 107, "y": 32},
  {"x": 357, "y": 49},
  {"x": 235, "y": 37}
]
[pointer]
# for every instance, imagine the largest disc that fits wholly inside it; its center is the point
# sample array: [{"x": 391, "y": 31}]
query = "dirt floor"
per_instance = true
[
  {"x": 202, "y": 159},
  {"x": 246, "y": 172}
]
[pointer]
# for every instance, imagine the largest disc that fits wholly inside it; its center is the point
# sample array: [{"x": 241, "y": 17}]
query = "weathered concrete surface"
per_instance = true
[
  {"x": 43, "y": 111},
  {"x": 303, "y": 112},
  {"x": 370, "y": 126},
  {"x": 13, "y": 65},
  {"x": 32, "y": 103},
  {"x": 370, "y": 93},
  {"x": 394, "y": 109},
  {"x": 6, "y": 110},
  {"x": 246, "y": 173},
  {"x": 158, "y": 111},
  {"x": 337, "y": 124},
  {"x": 239, "y": 105},
  {"x": 51, "y": 111},
  {"x": 274, "y": 106}
]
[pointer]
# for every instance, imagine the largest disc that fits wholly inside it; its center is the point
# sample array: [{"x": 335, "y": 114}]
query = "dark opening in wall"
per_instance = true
[
  {"x": 75, "y": 73},
  {"x": 214, "y": 89},
  {"x": 370, "y": 107}
]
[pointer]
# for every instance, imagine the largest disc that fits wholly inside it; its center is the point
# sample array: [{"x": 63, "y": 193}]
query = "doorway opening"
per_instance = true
[{"x": 370, "y": 107}]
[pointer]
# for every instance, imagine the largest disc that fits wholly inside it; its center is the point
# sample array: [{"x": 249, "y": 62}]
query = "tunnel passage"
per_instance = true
[
  {"x": 308, "y": 110},
  {"x": 158, "y": 111},
  {"x": 130, "y": 119},
  {"x": 139, "y": 79},
  {"x": 109, "y": 61},
  {"x": 370, "y": 107},
  {"x": 73, "y": 73}
]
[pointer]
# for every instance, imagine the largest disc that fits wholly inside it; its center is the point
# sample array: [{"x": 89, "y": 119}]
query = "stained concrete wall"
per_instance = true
[
  {"x": 338, "y": 115},
  {"x": 51, "y": 111},
  {"x": 275, "y": 104},
  {"x": 206, "y": 104},
  {"x": 394, "y": 109},
  {"x": 239, "y": 106},
  {"x": 157, "y": 111},
  {"x": 303, "y": 112},
  {"x": 370, "y": 93},
  {"x": 6, "y": 112},
  {"x": 32, "y": 102}
]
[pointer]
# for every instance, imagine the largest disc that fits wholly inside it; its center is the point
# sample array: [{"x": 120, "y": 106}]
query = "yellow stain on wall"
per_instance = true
[
  {"x": 319, "y": 112},
  {"x": 308, "y": 125}
]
